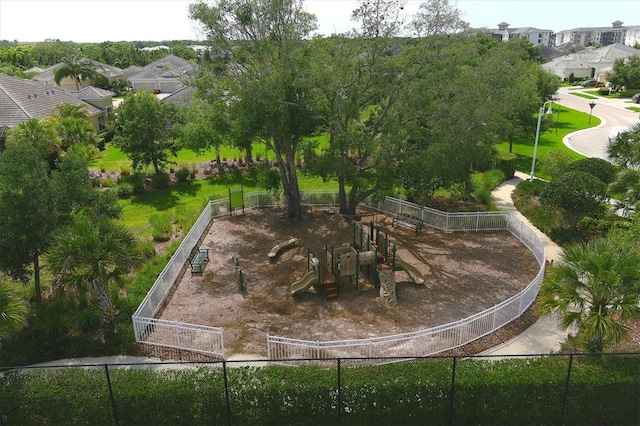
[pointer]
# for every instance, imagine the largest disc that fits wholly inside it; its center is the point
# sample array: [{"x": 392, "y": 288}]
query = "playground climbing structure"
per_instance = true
[{"x": 370, "y": 253}]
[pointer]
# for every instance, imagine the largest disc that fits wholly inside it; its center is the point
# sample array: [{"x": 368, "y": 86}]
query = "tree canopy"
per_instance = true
[
  {"x": 266, "y": 82},
  {"x": 626, "y": 73},
  {"x": 39, "y": 190},
  {"x": 145, "y": 130}
]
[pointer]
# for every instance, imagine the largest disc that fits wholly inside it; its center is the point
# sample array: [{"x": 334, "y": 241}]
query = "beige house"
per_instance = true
[
  {"x": 166, "y": 75},
  {"x": 21, "y": 100},
  {"x": 590, "y": 62}
]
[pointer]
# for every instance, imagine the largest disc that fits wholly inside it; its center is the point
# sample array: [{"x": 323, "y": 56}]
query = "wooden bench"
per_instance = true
[
  {"x": 196, "y": 258},
  {"x": 409, "y": 221}
]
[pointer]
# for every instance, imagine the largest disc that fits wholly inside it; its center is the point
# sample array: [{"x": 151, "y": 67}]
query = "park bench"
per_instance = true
[
  {"x": 409, "y": 221},
  {"x": 196, "y": 258}
]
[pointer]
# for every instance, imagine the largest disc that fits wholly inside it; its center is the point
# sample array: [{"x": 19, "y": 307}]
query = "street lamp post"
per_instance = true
[
  {"x": 535, "y": 146},
  {"x": 591, "y": 105}
]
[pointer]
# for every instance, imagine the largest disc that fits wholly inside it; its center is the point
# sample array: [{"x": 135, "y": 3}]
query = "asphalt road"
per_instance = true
[{"x": 593, "y": 142}]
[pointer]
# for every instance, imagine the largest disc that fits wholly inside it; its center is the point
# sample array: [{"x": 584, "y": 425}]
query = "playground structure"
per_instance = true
[
  {"x": 370, "y": 254},
  {"x": 278, "y": 249}
]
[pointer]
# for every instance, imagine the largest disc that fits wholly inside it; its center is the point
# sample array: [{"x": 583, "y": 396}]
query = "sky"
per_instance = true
[{"x": 86, "y": 21}]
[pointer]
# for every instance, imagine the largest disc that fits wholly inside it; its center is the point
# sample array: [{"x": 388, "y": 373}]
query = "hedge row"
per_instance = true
[{"x": 603, "y": 390}]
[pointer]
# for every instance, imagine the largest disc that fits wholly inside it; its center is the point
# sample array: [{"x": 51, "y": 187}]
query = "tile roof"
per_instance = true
[
  {"x": 105, "y": 70},
  {"x": 589, "y": 56},
  {"x": 181, "y": 97},
  {"x": 22, "y": 99},
  {"x": 170, "y": 66},
  {"x": 94, "y": 93}
]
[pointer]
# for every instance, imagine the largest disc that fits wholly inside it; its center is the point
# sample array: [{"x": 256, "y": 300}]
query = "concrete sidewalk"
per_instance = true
[{"x": 545, "y": 336}]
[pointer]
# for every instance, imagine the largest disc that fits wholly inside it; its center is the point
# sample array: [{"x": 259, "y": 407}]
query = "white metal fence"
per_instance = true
[{"x": 209, "y": 340}]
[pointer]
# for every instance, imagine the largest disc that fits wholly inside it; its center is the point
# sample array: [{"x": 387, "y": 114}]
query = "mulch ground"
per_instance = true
[{"x": 465, "y": 273}]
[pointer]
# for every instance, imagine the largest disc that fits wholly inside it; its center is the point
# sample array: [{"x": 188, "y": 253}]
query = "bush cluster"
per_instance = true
[{"x": 602, "y": 390}]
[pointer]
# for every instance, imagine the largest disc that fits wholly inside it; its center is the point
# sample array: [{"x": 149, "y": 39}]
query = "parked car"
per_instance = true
[
  {"x": 592, "y": 83},
  {"x": 636, "y": 98}
]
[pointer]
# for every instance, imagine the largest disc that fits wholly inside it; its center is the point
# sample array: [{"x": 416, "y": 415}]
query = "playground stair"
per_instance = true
[{"x": 330, "y": 285}]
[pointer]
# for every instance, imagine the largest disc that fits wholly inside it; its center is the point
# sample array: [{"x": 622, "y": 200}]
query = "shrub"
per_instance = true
[
  {"x": 527, "y": 188},
  {"x": 161, "y": 226},
  {"x": 577, "y": 193},
  {"x": 89, "y": 319},
  {"x": 107, "y": 182},
  {"x": 125, "y": 171},
  {"x": 483, "y": 196},
  {"x": 506, "y": 161},
  {"x": 602, "y": 169},
  {"x": 125, "y": 189},
  {"x": 160, "y": 180},
  {"x": 136, "y": 180},
  {"x": 148, "y": 250},
  {"x": 554, "y": 163},
  {"x": 183, "y": 174},
  {"x": 484, "y": 183}
]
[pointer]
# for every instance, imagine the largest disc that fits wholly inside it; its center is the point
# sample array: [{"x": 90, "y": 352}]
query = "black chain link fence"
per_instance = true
[{"x": 561, "y": 389}]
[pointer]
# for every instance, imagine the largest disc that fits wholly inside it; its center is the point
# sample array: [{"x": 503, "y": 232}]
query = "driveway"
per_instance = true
[{"x": 593, "y": 142}]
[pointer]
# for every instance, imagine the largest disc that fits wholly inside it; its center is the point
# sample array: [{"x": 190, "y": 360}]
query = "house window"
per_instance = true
[{"x": 101, "y": 125}]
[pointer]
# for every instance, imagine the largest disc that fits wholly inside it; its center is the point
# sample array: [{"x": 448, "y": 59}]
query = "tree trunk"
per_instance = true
[
  {"x": 286, "y": 160},
  {"x": 292, "y": 191},
  {"x": 342, "y": 195},
  {"x": 218, "y": 153},
  {"x": 102, "y": 294}
]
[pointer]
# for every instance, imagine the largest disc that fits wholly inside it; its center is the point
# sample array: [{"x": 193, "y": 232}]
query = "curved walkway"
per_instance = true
[{"x": 545, "y": 335}]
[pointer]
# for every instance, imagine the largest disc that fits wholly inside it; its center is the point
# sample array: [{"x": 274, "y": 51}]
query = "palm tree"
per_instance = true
[
  {"x": 73, "y": 125},
  {"x": 40, "y": 134},
  {"x": 66, "y": 110},
  {"x": 75, "y": 67},
  {"x": 596, "y": 287},
  {"x": 624, "y": 148},
  {"x": 13, "y": 309},
  {"x": 89, "y": 256}
]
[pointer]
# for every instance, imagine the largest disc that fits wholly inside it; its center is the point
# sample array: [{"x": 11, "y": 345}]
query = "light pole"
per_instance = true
[
  {"x": 591, "y": 105},
  {"x": 535, "y": 146}
]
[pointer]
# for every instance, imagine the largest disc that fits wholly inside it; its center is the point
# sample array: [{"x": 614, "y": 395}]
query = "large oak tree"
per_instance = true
[{"x": 266, "y": 87}]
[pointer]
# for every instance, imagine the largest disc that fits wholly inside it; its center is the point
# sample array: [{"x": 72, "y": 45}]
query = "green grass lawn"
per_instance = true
[
  {"x": 563, "y": 121},
  {"x": 113, "y": 159},
  {"x": 185, "y": 201}
]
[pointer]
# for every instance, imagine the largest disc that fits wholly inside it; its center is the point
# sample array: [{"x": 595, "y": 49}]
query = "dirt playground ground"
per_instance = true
[{"x": 465, "y": 273}]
